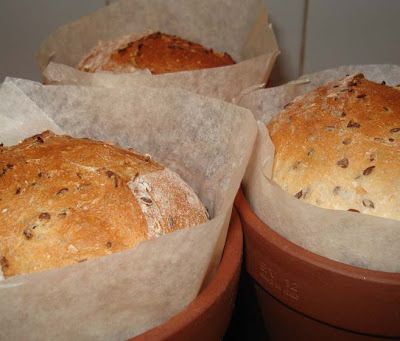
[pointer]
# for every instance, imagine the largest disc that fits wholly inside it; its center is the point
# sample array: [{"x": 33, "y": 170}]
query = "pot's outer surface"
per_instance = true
[
  {"x": 208, "y": 316},
  {"x": 284, "y": 323},
  {"x": 339, "y": 295}
]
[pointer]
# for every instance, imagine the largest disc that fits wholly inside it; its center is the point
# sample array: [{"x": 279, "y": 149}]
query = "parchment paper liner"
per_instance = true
[
  {"x": 208, "y": 142},
  {"x": 238, "y": 27},
  {"x": 356, "y": 239}
]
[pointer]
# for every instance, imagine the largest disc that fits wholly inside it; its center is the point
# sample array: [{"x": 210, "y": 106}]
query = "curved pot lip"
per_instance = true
[
  {"x": 251, "y": 220},
  {"x": 229, "y": 265}
]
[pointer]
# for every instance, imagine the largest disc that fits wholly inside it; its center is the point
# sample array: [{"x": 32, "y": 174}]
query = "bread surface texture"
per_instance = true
[
  {"x": 64, "y": 200},
  {"x": 158, "y": 52},
  {"x": 338, "y": 147}
]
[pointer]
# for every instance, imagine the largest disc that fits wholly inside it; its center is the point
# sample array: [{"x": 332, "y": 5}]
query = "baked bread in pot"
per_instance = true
[
  {"x": 338, "y": 147},
  {"x": 64, "y": 200},
  {"x": 158, "y": 52}
]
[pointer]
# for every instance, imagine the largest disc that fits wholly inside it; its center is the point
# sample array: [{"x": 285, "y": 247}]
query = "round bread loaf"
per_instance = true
[
  {"x": 338, "y": 147},
  {"x": 158, "y": 52},
  {"x": 64, "y": 200}
]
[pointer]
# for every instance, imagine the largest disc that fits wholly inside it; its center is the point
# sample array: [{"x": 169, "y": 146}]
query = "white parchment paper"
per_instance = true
[
  {"x": 356, "y": 239},
  {"x": 207, "y": 141},
  {"x": 29, "y": 119},
  {"x": 238, "y": 27}
]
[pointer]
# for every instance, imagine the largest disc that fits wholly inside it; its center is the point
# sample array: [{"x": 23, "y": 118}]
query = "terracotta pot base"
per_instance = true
[
  {"x": 208, "y": 316},
  {"x": 303, "y": 294},
  {"x": 284, "y": 323}
]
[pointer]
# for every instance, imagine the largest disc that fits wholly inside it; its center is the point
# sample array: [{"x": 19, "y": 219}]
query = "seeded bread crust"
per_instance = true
[
  {"x": 338, "y": 147},
  {"x": 64, "y": 200},
  {"x": 158, "y": 52}
]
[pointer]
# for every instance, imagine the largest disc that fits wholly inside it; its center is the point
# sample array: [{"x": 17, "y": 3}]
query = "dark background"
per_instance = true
[{"x": 246, "y": 322}]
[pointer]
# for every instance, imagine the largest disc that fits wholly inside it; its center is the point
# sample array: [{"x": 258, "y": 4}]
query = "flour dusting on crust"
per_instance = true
[
  {"x": 100, "y": 55},
  {"x": 167, "y": 202}
]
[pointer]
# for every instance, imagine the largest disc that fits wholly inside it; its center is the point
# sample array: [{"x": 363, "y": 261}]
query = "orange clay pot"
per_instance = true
[
  {"x": 208, "y": 316},
  {"x": 304, "y": 296}
]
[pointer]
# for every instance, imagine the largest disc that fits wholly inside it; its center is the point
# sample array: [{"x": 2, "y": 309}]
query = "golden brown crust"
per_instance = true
[
  {"x": 338, "y": 147},
  {"x": 64, "y": 200},
  {"x": 158, "y": 52}
]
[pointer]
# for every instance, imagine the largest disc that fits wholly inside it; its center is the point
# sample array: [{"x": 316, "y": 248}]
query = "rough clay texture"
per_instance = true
[
  {"x": 338, "y": 147},
  {"x": 64, "y": 200},
  {"x": 158, "y": 52}
]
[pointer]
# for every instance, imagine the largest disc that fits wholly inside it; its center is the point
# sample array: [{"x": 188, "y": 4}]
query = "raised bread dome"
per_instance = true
[
  {"x": 64, "y": 200},
  {"x": 158, "y": 52},
  {"x": 338, "y": 147}
]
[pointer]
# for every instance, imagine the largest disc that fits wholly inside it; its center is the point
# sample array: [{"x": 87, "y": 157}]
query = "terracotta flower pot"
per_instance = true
[
  {"x": 304, "y": 296},
  {"x": 208, "y": 316}
]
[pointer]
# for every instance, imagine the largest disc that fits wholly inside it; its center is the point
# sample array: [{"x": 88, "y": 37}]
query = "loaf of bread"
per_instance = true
[
  {"x": 158, "y": 52},
  {"x": 338, "y": 147},
  {"x": 64, "y": 200}
]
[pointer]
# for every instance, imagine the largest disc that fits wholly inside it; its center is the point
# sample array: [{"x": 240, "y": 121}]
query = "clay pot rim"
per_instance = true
[
  {"x": 230, "y": 261},
  {"x": 296, "y": 251}
]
